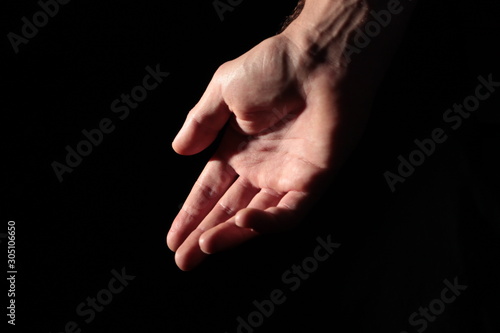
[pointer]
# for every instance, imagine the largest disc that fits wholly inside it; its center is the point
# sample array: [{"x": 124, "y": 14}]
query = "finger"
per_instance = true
[
  {"x": 265, "y": 198},
  {"x": 237, "y": 197},
  {"x": 256, "y": 219},
  {"x": 203, "y": 122},
  {"x": 189, "y": 255},
  {"x": 228, "y": 235},
  {"x": 286, "y": 215},
  {"x": 225, "y": 236},
  {"x": 212, "y": 183}
]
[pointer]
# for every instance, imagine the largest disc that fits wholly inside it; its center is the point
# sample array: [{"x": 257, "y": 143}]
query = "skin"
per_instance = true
[{"x": 295, "y": 106}]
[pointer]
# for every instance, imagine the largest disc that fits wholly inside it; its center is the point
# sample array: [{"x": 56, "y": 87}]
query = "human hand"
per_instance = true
[{"x": 282, "y": 144}]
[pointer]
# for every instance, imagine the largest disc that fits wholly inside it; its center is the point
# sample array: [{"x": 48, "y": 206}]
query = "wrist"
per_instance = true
[
  {"x": 339, "y": 34},
  {"x": 324, "y": 28}
]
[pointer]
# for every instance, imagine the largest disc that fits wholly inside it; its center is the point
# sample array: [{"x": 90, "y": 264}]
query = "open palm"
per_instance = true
[{"x": 279, "y": 149}]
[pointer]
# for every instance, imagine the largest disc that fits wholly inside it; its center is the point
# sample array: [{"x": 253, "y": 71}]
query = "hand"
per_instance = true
[{"x": 281, "y": 145}]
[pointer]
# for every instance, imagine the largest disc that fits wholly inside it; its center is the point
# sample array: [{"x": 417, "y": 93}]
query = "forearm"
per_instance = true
[{"x": 351, "y": 35}]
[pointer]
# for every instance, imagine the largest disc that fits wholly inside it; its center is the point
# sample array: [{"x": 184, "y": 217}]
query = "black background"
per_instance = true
[{"x": 114, "y": 209}]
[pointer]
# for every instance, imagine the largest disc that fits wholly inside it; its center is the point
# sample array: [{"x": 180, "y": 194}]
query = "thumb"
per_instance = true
[{"x": 203, "y": 122}]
